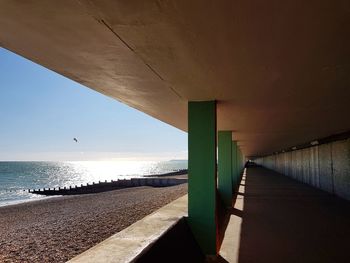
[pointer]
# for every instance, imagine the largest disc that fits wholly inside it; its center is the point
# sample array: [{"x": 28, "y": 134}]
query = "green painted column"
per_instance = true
[
  {"x": 225, "y": 166},
  {"x": 202, "y": 174},
  {"x": 234, "y": 166}
]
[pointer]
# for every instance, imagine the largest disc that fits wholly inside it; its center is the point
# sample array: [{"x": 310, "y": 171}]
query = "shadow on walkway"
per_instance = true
[{"x": 287, "y": 221}]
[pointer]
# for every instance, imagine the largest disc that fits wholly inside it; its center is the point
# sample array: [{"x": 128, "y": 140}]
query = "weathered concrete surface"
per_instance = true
[
  {"x": 341, "y": 168},
  {"x": 325, "y": 166},
  {"x": 299, "y": 166},
  {"x": 229, "y": 251},
  {"x": 271, "y": 73},
  {"x": 314, "y": 167},
  {"x": 177, "y": 245},
  {"x": 130, "y": 242},
  {"x": 286, "y": 161},
  {"x": 294, "y": 164},
  {"x": 289, "y": 164},
  {"x": 282, "y": 220},
  {"x": 306, "y": 165}
]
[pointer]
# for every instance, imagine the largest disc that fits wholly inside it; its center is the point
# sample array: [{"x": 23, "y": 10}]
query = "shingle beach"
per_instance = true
[{"x": 57, "y": 229}]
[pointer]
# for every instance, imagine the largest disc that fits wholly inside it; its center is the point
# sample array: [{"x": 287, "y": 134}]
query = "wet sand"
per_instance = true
[{"x": 57, "y": 229}]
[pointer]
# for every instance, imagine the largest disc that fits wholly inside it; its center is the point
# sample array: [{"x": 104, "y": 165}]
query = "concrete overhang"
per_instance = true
[{"x": 280, "y": 70}]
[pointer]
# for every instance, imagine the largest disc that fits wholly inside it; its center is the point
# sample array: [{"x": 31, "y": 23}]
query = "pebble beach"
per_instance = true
[{"x": 59, "y": 228}]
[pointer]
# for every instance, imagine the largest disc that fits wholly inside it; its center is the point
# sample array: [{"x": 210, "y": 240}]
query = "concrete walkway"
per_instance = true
[{"x": 277, "y": 219}]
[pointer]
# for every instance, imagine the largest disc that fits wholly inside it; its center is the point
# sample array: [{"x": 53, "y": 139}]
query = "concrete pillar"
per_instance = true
[
  {"x": 239, "y": 162},
  {"x": 202, "y": 216},
  {"x": 225, "y": 166},
  {"x": 239, "y": 165},
  {"x": 234, "y": 166}
]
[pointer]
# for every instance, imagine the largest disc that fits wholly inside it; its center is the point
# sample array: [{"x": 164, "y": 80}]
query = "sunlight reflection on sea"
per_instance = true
[{"x": 18, "y": 176}]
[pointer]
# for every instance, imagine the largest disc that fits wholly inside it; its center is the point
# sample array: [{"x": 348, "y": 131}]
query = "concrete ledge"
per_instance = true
[
  {"x": 127, "y": 244},
  {"x": 176, "y": 245}
]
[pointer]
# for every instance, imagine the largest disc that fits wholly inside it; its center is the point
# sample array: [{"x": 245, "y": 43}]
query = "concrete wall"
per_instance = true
[{"x": 325, "y": 166}]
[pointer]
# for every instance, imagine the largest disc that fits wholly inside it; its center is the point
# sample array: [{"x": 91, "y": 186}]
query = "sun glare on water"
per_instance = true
[
  {"x": 15, "y": 177},
  {"x": 95, "y": 171}
]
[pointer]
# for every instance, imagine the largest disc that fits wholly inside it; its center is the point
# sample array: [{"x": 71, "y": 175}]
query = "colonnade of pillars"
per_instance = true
[{"x": 204, "y": 179}]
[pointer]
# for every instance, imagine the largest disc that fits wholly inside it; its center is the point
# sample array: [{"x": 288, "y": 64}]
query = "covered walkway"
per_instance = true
[
  {"x": 278, "y": 219},
  {"x": 248, "y": 80}
]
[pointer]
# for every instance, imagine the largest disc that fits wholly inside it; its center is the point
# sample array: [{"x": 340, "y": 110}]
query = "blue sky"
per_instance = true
[{"x": 41, "y": 112}]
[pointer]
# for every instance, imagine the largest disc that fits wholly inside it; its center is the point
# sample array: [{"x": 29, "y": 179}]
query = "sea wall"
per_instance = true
[{"x": 325, "y": 166}]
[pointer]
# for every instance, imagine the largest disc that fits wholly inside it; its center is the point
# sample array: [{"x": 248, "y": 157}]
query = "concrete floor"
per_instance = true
[{"x": 277, "y": 219}]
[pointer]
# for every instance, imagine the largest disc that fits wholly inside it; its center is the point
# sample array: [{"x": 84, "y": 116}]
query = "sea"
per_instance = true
[{"x": 17, "y": 177}]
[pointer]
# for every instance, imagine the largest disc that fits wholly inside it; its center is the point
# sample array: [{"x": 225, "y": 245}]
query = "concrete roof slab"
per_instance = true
[{"x": 279, "y": 69}]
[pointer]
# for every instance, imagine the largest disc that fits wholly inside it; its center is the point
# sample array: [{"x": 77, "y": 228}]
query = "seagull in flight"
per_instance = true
[{"x": 75, "y": 139}]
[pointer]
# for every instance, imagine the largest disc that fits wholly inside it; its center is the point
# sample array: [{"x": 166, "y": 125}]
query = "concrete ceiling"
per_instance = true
[{"x": 280, "y": 70}]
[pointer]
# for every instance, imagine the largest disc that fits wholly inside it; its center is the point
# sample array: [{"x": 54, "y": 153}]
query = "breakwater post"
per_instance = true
[{"x": 109, "y": 186}]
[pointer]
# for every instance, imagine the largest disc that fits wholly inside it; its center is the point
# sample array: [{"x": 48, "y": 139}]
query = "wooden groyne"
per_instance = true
[
  {"x": 174, "y": 173},
  {"x": 109, "y": 186}
]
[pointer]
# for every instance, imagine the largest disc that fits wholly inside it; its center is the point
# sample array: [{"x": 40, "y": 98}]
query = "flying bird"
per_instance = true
[{"x": 75, "y": 139}]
